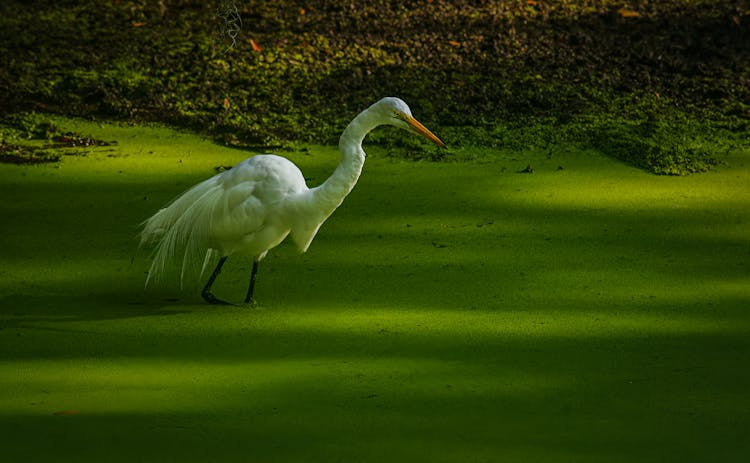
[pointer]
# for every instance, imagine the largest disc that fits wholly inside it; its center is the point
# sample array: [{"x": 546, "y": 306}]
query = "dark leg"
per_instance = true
[
  {"x": 206, "y": 293},
  {"x": 249, "y": 299}
]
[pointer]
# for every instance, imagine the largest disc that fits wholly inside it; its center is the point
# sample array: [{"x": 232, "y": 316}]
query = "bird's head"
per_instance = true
[{"x": 394, "y": 111}]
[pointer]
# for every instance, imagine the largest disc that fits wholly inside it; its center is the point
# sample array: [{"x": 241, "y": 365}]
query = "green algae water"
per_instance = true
[{"x": 581, "y": 310}]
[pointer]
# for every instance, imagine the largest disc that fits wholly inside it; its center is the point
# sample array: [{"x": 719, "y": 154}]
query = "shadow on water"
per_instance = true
[{"x": 20, "y": 309}]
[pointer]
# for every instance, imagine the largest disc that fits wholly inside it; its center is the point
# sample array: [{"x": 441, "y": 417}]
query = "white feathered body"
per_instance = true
[
  {"x": 254, "y": 206},
  {"x": 248, "y": 209}
]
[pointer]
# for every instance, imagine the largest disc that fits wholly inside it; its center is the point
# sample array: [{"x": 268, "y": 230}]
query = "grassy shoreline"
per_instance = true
[{"x": 660, "y": 79}]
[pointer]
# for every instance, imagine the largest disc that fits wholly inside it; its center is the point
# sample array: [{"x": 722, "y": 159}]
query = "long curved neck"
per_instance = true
[{"x": 332, "y": 192}]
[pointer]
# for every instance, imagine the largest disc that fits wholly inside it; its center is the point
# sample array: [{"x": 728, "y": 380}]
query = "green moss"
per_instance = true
[
  {"x": 29, "y": 138},
  {"x": 485, "y": 72}
]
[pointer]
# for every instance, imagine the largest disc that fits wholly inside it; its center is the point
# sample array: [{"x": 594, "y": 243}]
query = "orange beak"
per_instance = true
[{"x": 421, "y": 129}]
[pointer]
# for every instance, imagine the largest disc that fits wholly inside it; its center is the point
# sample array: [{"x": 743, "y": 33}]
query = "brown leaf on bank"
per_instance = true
[
  {"x": 254, "y": 45},
  {"x": 626, "y": 13}
]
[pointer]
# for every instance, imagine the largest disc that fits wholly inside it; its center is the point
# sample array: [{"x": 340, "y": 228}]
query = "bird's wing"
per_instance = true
[
  {"x": 254, "y": 193},
  {"x": 224, "y": 213}
]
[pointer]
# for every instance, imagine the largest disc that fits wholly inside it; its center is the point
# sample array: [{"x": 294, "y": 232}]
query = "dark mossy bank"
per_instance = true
[{"x": 657, "y": 84}]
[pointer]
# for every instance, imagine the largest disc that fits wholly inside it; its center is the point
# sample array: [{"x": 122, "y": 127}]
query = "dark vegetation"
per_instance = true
[
  {"x": 662, "y": 85},
  {"x": 48, "y": 142}
]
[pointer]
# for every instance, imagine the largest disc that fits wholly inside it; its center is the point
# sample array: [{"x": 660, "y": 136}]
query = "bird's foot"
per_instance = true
[
  {"x": 211, "y": 299},
  {"x": 251, "y": 303}
]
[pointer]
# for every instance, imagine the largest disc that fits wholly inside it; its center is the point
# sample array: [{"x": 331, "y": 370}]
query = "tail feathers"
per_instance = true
[
  {"x": 182, "y": 229},
  {"x": 210, "y": 254}
]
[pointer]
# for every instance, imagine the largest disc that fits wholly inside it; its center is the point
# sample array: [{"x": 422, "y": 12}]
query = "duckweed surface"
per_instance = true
[{"x": 457, "y": 311}]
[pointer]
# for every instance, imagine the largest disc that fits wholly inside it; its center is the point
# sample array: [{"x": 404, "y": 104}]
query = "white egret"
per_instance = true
[{"x": 253, "y": 206}]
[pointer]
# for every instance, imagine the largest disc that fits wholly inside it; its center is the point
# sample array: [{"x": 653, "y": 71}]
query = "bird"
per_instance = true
[{"x": 253, "y": 206}]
